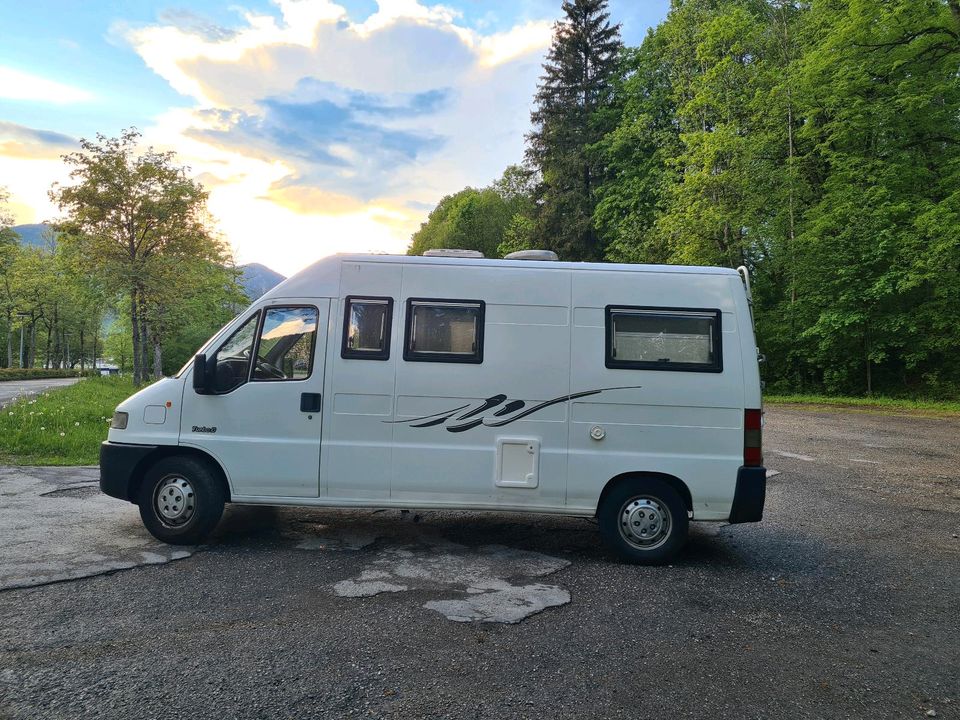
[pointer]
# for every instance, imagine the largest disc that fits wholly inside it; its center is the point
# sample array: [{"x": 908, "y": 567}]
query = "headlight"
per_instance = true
[{"x": 119, "y": 421}]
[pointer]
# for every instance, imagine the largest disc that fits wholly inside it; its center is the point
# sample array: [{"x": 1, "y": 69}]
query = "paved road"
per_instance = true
[
  {"x": 10, "y": 390},
  {"x": 843, "y": 603}
]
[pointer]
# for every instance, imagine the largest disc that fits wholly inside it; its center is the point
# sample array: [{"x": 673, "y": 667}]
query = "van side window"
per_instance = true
[
  {"x": 285, "y": 347},
  {"x": 233, "y": 357},
  {"x": 366, "y": 328},
  {"x": 444, "y": 330},
  {"x": 648, "y": 338}
]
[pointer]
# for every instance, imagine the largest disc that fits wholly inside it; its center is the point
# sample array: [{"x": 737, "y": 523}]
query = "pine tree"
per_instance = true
[{"x": 568, "y": 118}]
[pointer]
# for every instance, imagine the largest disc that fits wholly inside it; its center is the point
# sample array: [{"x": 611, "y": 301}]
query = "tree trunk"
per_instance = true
[
  {"x": 157, "y": 359},
  {"x": 10, "y": 340},
  {"x": 32, "y": 352},
  {"x": 144, "y": 339},
  {"x": 144, "y": 347},
  {"x": 82, "y": 364},
  {"x": 135, "y": 326}
]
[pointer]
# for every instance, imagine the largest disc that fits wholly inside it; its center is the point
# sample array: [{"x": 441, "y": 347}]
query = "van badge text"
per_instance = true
[{"x": 204, "y": 429}]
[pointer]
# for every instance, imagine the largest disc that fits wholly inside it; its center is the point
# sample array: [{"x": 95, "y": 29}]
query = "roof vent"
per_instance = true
[
  {"x": 532, "y": 255},
  {"x": 453, "y": 252}
]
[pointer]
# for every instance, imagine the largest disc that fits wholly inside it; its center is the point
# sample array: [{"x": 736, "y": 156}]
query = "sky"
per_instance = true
[{"x": 317, "y": 127}]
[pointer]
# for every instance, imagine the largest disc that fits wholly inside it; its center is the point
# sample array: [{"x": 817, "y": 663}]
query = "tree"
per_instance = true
[
  {"x": 477, "y": 219},
  {"x": 567, "y": 118},
  {"x": 133, "y": 218},
  {"x": 638, "y": 154}
]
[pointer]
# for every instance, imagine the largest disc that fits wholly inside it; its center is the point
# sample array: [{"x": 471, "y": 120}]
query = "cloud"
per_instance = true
[
  {"x": 19, "y": 85},
  {"x": 318, "y": 121},
  {"x": 29, "y": 163},
  {"x": 22, "y": 141}
]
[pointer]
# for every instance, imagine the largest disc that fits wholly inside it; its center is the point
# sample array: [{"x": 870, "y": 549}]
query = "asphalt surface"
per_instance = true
[
  {"x": 843, "y": 603},
  {"x": 10, "y": 390}
]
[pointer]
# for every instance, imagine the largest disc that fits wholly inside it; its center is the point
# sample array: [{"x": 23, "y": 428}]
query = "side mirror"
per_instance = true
[{"x": 203, "y": 372}]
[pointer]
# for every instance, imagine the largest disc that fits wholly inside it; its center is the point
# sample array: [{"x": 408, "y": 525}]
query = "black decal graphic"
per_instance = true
[
  {"x": 512, "y": 411},
  {"x": 510, "y": 407}
]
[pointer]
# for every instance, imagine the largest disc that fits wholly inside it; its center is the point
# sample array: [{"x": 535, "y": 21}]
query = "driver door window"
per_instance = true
[
  {"x": 287, "y": 340},
  {"x": 233, "y": 357}
]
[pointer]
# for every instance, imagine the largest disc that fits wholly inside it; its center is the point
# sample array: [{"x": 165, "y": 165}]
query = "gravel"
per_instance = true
[{"x": 843, "y": 603}]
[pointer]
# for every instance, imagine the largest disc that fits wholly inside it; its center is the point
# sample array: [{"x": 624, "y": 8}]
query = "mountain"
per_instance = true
[
  {"x": 33, "y": 234},
  {"x": 258, "y": 279}
]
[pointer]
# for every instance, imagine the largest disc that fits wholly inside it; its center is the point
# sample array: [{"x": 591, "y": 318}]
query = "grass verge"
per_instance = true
[
  {"x": 880, "y": 404},
  {"x": 61, "y": 427}
]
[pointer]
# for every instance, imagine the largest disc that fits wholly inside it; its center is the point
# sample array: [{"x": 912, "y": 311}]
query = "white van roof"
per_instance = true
[{"x": 322, "y": 278}]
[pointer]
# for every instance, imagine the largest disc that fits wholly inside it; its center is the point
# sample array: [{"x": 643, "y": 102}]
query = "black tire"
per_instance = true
[
  {"x": 192, "y": 489},
  {"x": 666, "y": 522}
]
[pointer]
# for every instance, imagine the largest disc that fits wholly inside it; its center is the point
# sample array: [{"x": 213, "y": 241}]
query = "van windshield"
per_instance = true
[{"x": 203, "y": 348}]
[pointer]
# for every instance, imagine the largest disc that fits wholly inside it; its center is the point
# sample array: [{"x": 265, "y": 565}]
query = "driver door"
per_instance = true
[{"x": 263, "y": 422}]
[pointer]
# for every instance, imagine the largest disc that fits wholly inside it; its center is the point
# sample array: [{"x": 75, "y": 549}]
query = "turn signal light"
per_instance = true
[{"x": 753, "y": 437}]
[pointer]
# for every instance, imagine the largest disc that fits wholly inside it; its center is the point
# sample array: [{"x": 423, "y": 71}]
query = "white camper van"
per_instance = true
[{"x": 629, "y": 393}]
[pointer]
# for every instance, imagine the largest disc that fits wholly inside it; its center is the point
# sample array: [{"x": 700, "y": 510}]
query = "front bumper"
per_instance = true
[
  {"x": 749, "y": 496},
  {"x": 118, "y": 461}
]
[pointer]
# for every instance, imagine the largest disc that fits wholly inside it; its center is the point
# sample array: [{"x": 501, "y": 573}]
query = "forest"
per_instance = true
[{"x": 817, "y": 143}]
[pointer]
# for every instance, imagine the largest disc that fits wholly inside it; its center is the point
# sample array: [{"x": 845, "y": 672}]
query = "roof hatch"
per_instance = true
[
  {"x": 453, "y": 253},
  {"x": 532, "y": 255}
]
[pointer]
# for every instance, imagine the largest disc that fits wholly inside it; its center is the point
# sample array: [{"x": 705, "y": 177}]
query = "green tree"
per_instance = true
[
  {"x": 638, "y": 153},
  {"x": 132, "y": 216},
  {"x": 577, "y": 85},
  {"x": 477, "y": 219}
]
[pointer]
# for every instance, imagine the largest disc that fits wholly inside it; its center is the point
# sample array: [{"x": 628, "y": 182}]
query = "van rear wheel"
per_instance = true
[
  {"x": 181, "y": 500},
  {"x": 644, "y": 521}
]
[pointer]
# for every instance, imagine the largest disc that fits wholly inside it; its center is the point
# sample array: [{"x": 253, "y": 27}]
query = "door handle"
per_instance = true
[{"x": 310, "y": 402}]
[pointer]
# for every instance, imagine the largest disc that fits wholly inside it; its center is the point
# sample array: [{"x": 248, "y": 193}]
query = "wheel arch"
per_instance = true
[
  {"x": 672, "y": 480},
  {"x": 164, "y": 451}
]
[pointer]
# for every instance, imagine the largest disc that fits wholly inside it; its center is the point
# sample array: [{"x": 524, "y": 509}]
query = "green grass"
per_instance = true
[
  {"x": 883, "y": 404},
  {"x": 61, "y": 427}
]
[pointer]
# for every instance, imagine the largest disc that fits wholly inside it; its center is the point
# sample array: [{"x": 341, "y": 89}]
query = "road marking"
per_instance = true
[
  {"x": 859, "y": 460},
  {"x": 795, "y": 456}
]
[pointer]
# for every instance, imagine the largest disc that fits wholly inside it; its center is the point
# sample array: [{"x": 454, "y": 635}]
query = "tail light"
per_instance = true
[{"x": 752, "y": 437}]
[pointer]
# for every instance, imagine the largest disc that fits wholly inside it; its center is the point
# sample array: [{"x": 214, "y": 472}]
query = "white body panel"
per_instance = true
[{"x": 541, "y": 424}]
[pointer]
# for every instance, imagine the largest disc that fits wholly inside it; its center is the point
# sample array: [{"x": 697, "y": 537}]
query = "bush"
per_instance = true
[{"x": 40, "y": 373}]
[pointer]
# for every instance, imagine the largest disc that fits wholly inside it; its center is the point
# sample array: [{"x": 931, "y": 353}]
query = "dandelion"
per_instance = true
[
  {"x": 62, "y": 434},
  {"x": 76, "y": 424},
  {"x": 31, "y": 412},
  {"x": 11, "y": 414},
  {"x": 42, "y": 427}
]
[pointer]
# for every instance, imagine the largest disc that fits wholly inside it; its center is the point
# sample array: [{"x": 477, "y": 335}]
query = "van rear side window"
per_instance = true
[
  {"x": 444, "y": 330},
  {"x": 647, "y": 338},
  {"x": 366, "y": 328}
]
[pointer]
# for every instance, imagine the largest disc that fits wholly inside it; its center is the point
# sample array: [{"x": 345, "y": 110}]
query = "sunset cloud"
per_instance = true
[{"x": 317, "y": 121}]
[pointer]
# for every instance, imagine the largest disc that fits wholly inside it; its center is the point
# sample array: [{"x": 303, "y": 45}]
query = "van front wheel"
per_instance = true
[
  {"x": 181, "y": 500},
  {"x": 644, "y": 521}
]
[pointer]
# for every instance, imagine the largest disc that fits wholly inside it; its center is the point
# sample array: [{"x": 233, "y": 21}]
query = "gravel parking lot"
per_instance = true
[{"x": 843, "y": 603}]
